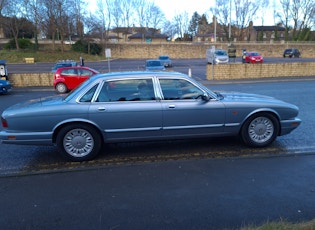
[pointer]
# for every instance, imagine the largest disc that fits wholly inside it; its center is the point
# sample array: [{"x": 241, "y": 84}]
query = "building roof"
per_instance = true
[
  {"x": 269, "y": 28},
  {"x": 147, "y": 34}
]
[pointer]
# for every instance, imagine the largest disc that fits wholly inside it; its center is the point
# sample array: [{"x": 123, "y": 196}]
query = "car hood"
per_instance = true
[{"x": 236, "y": 96}]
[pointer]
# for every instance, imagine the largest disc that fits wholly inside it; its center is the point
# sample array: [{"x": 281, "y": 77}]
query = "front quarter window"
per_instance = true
[
  {"x": 179, "y": 89},
  {"x": 87, "y": 97}
]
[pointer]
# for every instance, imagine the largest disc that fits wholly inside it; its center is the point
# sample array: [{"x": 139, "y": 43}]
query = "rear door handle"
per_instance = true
[
  {"x": 101, "y": 109},
  {"x": 171, "y": 106}
]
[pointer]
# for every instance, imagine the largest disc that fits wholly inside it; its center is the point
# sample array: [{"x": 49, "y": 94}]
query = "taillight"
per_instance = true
[
  {"x": 57, "y": 75},
  {"x": 4, "y": 123}
]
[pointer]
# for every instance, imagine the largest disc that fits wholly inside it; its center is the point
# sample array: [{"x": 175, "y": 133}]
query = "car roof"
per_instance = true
[
  {"x": 139, "y": 74},
  {"x": 77, "y": 67},
  {"x": 153, "y": 60}
]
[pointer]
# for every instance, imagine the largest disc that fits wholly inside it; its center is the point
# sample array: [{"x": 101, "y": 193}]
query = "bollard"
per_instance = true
[{"x": 189, "y": 72}]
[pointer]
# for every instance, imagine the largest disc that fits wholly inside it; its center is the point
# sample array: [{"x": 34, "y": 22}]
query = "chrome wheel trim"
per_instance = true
[
  {"x": 61, "y": 88},
  {"x": 261, "y": 129},
  {"x": 78, "y": 142}
]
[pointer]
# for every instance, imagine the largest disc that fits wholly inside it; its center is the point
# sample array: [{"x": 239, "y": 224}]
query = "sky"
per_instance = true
[{"x": 174, "y": 7}]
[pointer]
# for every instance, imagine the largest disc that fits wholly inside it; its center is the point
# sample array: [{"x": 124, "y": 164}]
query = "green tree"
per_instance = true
[{"x": 194, "y": 23}]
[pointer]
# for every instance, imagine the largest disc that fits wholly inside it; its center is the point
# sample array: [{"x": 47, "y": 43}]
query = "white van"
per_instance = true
[{"x": 218, "y": 57}]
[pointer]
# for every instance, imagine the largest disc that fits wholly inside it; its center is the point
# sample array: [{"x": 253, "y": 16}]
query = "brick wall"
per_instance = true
[
  {"x": 252, "y": 71},
  {"x": 221, "y": 72},
  {"x": 31, "y": 79},
  {"x": 198, "y": 50}
]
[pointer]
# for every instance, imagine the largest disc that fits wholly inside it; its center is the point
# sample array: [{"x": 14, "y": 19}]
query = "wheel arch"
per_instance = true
[
  {"x": 262, "y": 111},
  {"x": 71, "y": 122}
]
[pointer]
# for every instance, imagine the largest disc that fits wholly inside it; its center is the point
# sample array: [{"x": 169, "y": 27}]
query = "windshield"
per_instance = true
[{"x": 220, "y": 52}]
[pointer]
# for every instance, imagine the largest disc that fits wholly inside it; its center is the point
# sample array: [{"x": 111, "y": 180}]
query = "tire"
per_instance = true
[
  {"x": 260, "y": 130},
  {"x": 61, "y": 88},
  {"x": 79, "y": 142}
]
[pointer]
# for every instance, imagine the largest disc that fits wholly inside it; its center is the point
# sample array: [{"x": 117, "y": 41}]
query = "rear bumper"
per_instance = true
[{"x": 34, "y": 138}]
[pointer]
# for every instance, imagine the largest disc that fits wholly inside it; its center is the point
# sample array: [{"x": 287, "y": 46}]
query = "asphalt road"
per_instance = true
[
  {"x": 197, "y": 184},
  {"x": 225, "y": 193}
]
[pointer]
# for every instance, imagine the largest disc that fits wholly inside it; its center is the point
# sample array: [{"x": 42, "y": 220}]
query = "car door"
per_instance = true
[
  {"x": 70, "y": 76},
  {"x": 83, "y": 74},
  {"x": 127, "y": 110},
  {"x": 185, "y": 113}
]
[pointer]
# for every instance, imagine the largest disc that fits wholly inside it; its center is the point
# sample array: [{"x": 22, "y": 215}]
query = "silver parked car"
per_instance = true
[
  {"x": 140, "y": 106},
  {"x": 217, "y": 57},
  {"x": 154, "y": 65}
]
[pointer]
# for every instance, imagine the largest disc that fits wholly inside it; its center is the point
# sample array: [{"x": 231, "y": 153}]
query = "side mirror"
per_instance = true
[{"x": 205, "y": 97}]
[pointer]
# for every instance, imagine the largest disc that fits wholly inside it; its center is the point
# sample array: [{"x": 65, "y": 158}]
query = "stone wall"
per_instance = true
[
  {"x": 255, "y": 71},
  {"x": 198, "y": 50},
  {"x": 31, "y": 79},
  {"x": 214, "y": 72}
]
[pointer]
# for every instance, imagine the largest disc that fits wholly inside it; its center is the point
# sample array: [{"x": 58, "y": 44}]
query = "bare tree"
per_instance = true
[
  {"x": 222, "y": 13},
  {"x": 181, "y": 22},
  {"x": 284, "y": 15},
  {"x": 297, "y": 16},
  {"x": 302, "y": 12},
  {"x": 13, "y": 10},
  {"x": 245, "y": 11}
]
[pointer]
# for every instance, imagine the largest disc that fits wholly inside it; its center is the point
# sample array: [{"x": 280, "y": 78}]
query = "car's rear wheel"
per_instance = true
[
  {"x": 260, "y": 130},
  {"x": 61, "y": 88},
  {"x": 79, "y": 142}
]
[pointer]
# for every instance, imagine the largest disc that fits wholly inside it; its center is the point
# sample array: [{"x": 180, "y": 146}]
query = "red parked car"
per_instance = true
[
  {"x": 68, "y": 78},
  {"x": 252, "y": 57}
]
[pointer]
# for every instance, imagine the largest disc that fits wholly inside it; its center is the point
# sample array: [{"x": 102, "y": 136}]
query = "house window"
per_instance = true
[{"x": 273, "y": 34}]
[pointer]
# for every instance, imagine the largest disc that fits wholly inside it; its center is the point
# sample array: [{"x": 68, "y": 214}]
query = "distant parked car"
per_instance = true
[
  {"x": 166, "y": 60},
  {"x": 68, "y": 78},
  {"x": 63, "y": 63},
  {"x": 219, "y": 56},
  {"x": 154, "y": 65},
  {"x": 292, "y": 53},
  {"x": 5, "y": 86},
  {"x": 144, "y": 106},
  {"x": 252, "y": 57}
]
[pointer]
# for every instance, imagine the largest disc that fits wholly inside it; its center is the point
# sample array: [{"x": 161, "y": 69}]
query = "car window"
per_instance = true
[
  {"x": 127, "y": 90},
  {"x": 179, "y": 89},
  {"x": 87, "y": 97},
  {"x": 69, "y": 72},
  {"x": 85, "y": 72},
  {"x": 154, "y": 63}
]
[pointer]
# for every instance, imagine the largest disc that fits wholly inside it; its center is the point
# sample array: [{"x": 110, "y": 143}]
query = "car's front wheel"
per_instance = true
[
  {"x": 260, "y": 130},
  {"x": 61, "y": 88},
  {"x": 79, "y": 142}
]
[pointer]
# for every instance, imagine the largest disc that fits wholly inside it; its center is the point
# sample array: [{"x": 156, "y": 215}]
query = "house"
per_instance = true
[
  {"x": 267, "y": 33},
  {"x": 148, "y": 35},
  {"x": 206, "y": 33},
  {"x": 138, "y": 34}
]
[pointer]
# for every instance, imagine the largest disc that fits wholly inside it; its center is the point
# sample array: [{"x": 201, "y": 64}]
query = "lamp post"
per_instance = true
[{"x": 230, "y": 21}]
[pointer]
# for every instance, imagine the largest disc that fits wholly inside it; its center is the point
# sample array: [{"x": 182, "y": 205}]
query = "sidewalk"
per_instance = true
[{"x": 194, "y": 194}]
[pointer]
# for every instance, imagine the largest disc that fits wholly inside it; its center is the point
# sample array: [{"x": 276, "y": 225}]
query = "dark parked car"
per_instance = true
[
  {"x": 144, "y": 106},
  {"x": 5, "y": 86},
  {"x": 292, "y": 53},
  {"x": 68, "y": 78},
  {"x": 63, "y": 63},
  {"x": 167, "y": 62}
]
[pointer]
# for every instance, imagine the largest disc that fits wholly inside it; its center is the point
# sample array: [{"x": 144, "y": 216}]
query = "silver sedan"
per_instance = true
[{"x": 143, "y": 106}]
